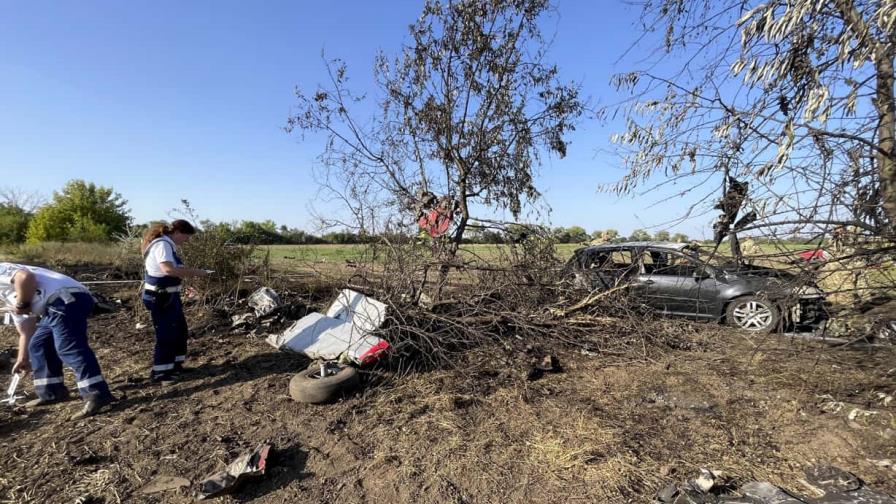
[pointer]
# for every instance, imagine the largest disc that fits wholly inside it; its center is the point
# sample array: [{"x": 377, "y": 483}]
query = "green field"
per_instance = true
[
  {"x": 311, "y": 253},
  {"x": 285, "y": 254},
  {"x": 341, "y": 253},
  {"x": 104, "y": 253}
]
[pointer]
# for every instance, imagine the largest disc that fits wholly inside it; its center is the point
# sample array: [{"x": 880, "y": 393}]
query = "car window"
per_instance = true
[
  {"x": 598, "y": 260},
  {"x": 621, "y": 259},
  {"x": 668, "y": 263}
]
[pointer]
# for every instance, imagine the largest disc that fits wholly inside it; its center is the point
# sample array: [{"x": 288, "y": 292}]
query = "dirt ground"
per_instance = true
[{"x": 609, "y": 428}]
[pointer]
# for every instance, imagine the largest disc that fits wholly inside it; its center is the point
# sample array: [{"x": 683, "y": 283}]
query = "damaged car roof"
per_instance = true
[{"x": 644, "y": 244}]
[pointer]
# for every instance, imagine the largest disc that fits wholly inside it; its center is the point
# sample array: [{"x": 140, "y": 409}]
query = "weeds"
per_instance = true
[{"x": 230, "y": 263}]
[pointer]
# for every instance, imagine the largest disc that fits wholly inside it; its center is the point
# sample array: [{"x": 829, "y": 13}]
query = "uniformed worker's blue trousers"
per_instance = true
[
  {"x": 167, "y": 312},
  {"x": 61, "y": 338}
]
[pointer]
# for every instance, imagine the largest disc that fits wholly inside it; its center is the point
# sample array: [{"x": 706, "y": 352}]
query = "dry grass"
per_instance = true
[
  {"x": 55, "y": 254},
  {"x": 609, "y": 433}
]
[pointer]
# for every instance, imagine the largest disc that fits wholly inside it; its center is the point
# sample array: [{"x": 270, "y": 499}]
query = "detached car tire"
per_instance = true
[
  {"x": 752, "y": 313},
  {"x": 310, "y": 387}
]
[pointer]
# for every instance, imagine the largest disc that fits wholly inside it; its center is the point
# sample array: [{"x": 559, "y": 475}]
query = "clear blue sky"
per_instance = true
[{"x": 170, "y": 100}]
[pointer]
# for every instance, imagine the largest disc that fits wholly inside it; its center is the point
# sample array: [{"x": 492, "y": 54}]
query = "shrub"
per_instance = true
[
  {"x": 13, "y": 224},
  {"x": 80, "y": 212}
]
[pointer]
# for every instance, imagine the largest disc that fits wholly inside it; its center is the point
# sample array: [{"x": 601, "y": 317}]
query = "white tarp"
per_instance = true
[{"x": 344, "y": 333}]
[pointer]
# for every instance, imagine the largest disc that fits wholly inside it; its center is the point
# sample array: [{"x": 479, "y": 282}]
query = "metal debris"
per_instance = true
[
  {"x": 344, "y": 333},
  {"x": 247, "y": 465},
  {"x": 264, "y": 301}
]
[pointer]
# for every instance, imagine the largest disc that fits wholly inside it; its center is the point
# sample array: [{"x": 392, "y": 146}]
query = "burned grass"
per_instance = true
[{"x": 637, "y": 406}]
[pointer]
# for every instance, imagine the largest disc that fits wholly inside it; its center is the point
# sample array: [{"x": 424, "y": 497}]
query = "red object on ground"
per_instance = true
[
  {"x": 813, "y": 255},
  {"x": 374, "y": 354},
  {"x": 436, "y": 222}
]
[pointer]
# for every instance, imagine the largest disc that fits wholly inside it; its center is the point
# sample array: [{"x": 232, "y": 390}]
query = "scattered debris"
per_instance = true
[
  {"x": 884, "y": 463},
  {"x": 264, "y": 301},
  {"x": 343, "y": 334},
  {"x": 322, "y": 337},
  {"x": 102, "y": 305},
  {"x": 11, "y": 396},
  {"x": 164, "y": 484},
  {"x": 86, "y": 458},
  {"x": 706, "y": 481},
  {"x": 435, "y": 215},
  {"x": 730, "y": 204},
  {"x": 364, "y": 313},
  {"x": 140, "y": 325},
  {"x": 872, "y": 322},
  {"x": 814, "y": 255},
  {"x": 767, "y": 493},
  {"x": 829, "y": 478},
  {"x": 247, "y": 465},
  {"x": 87, "y": 499},
  {"x": 831, "y": 484},
  {"x": 860, "y": 413},
  {"x": 243, "y": 320},
  {"x": 548, "y": 364},
  {"x": 681, "y": 401},
  {"x": 268, "y": 310},
  {"x": 668, "y": 493}
]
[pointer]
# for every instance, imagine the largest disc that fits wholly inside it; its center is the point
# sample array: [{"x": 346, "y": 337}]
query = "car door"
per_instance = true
[{"x": 672, "y": 284}]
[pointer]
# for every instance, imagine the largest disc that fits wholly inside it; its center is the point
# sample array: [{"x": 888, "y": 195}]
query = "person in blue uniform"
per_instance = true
[
  {"x": 164, "y": 274},
  {"x": 50, "y": 311}
]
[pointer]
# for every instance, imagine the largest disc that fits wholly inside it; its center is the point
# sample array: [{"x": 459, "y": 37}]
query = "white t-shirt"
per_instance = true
[
  {"x": 48, "y": 283},
  {"x": 159, "y": 252}
]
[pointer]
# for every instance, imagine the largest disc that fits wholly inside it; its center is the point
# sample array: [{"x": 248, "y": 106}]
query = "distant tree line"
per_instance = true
[
  {"x": 572, "y": 234},
  {"x": 83, "y": 211}
]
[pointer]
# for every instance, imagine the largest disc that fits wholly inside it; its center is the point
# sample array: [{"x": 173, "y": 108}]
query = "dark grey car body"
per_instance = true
[{"x": 673, "y": 279}]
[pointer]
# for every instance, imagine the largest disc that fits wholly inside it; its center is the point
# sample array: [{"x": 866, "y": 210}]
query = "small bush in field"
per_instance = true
[{"x": 211, "y": 250}]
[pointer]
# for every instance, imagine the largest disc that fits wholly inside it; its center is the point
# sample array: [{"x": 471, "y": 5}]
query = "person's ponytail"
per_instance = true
[{"x": 155, "y": 231}]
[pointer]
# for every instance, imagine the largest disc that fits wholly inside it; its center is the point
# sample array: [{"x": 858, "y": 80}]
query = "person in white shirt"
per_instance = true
[
  {"x": 161, "y": 295},
  {"x": 50, "y": 311}
]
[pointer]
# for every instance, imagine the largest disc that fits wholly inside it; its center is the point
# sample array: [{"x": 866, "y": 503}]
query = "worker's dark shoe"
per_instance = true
[
  {"x": 40, "y": 401},
  {"x": 92, "y": 406}
]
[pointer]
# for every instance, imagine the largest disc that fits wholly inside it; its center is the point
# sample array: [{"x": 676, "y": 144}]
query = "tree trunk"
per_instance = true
[
  {"x": 886, "y": 131},
  {"x": 456, "y": 239},
  {"x": 735, "y": 247}
]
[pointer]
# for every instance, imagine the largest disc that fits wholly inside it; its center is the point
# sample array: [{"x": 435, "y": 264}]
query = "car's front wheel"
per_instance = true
[{"x": 753, "y": 313}]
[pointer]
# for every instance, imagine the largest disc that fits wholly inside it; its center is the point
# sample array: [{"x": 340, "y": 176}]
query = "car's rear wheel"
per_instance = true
[{"x": 752, "y": 313}]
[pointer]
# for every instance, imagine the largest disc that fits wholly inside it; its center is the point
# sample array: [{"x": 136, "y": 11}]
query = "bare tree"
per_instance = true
[
  {"x": 21, "y": 199},
  {"x": 793, "y": 97},
  {"x": 465, "y": 113}
]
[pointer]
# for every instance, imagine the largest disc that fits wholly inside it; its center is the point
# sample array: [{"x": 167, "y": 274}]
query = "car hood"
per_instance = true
[{"x": 773, "y": 281}]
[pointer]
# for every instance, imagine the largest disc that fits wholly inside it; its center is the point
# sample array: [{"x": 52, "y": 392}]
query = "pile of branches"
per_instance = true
[{"x": 515, "y": 299}]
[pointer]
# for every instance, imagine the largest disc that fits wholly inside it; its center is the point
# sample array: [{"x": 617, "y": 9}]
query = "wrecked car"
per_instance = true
[{"x": 679, "y": 279}]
